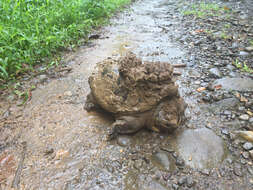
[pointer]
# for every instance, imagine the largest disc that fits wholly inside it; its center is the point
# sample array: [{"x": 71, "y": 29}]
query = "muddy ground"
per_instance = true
[{"x": 51, "y": 142}]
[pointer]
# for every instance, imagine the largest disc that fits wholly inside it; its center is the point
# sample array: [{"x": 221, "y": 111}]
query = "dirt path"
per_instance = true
[{"x": 66, "y": 147}]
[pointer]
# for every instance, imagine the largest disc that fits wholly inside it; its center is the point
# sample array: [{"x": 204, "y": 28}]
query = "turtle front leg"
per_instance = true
[
  {"x": 90, "y": 104},
  {"x": 125, "y": 125}
]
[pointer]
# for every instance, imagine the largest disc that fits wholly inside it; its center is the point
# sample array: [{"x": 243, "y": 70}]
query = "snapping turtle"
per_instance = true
[{"x": 139, "y": 94}]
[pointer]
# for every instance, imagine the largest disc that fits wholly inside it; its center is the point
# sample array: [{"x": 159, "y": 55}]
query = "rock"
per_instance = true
[
  {"x": 245, "y": 155},
  {"x": 180, "y": 162},
  {"x": 153, "y": 185},
  {"x": 67, "y": 93},
  {"x": 161, "y": 160},
  {"x": 175, "y": 186},
  {"x": 244, "y": 117},
  {"x": 42, "y": 78},
  {"x": 190, "y": 182},
  {"x": 247, "y": 146},
  {"x": 251, "y": 154},
  {"x": 222, "y": 105},
  {"x": 182, "y": 180},
  {"x": 238, "y": 84},
  {"x": 238, "y": 170},
  {"x": 215, "y": 73},
  {"x": 249, "y": 49},
  {"x": 200, "y": 148},
  {"x": 61, "y": 154},
  {"x": 251, "y": 120},
  {"x": 230, "y": 67},
  {"x": 243, "y": 53},
  {"x": 233, "y": 75},
  {"x": 124, "y": 141},
  {"x": 247, "y": 135},
  {"x": 205, "y": 172},
  {"x": 250, "y": 170}
]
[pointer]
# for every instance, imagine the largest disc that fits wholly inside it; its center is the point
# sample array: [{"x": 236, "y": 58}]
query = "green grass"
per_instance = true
[
  {"x": 204, "y": 9},
  {"x": 242, "y": 66},
  {"x": 33, "y": 31}
]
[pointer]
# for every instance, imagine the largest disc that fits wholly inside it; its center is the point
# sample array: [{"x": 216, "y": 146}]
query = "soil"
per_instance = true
[{"x": 66, "y": 147}]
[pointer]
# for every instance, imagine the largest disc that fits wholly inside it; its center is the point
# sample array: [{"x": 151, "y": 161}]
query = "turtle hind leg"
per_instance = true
[{"x": 125, "y": 125}]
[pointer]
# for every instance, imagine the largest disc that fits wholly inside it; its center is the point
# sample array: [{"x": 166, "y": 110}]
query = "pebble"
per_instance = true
[
  {"x": 215, "y": 73},
  {"x": 245, "y": 155},
  {"x": 43, "y": 78},
  {"x": 249, "y": 49},
  {"x": 68, "y": 93},
  {"x": 190, "y": 182},
  {"x": 182, "y": 180},
  {"x": 244, "y": 117},
  {"x": 205, "y": 172},
  {"x": 180, "y": 162},
  {"x": 251, "y": 120},
  {"x": 123, "y": 141},
  {"x": 247, "y": 146},
  {"x": 237, "y": 170},
  {"x": 197, "y": 82},
  {"x": 175, "y": 186},
  {"x": 224, "y": 132},
  {"x": 251, "y": 154},
  {"x": 243, "y": 53},
  {"x": 250, "y": 170}
]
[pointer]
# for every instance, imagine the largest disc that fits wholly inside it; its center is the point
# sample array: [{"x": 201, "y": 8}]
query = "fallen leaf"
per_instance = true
[
  {"x": 226, "y": 8},
  {"x": 200, "y": 89},
  {"x": 199, "y": 31}
]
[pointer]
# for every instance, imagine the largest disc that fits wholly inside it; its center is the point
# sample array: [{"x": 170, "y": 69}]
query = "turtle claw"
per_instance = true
[{"x": 112, "y": 135}]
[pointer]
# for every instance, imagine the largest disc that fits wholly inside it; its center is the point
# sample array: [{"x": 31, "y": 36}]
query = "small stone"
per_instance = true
[
  {"x": 197, "y": 82},
  {"x": 241, "y": 108},
  {"x": 245, "y": 155},
  {"x": 227, "y": 112},
  {"x": 243, "y": 53},
  {"x": 247, "y": 146},
  {"x": 237, "y": 170},
  {"x": 243, "y": 161},
  {"x": 249, "y": 49},
  {"x": 175, "y": 186},
  {"x": 251, "y": 154},
  {"x": 190, "y": 182},
  {"x": 43, "y": 78},
  {"x": 244, "y": 117},
  {"x": 182, "y": 180},
  {"x": 180, "y": 162},
  {"x": 124, "y": 141},
  {"x": 205, "y": 172},
  {"x": 49, "y": 151},
  {"x": 250, "y": 170},
  {"x": 251, "y": 120},
  {"x": 215, "y": 73},
  {"x": 61, "y": 154},
  {"x": 224, "y": 131},
  {"x": 68, "y": 93}
]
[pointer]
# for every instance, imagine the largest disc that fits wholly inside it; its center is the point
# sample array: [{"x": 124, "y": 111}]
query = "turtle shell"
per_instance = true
[{"x": 128, "y": 85}]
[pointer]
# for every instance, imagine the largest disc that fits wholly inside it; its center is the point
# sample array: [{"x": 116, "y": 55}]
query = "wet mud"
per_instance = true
[{"x": 66, "y": 146}]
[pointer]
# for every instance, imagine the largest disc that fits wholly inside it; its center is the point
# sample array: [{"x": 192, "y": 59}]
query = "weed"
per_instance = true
[
  {"x": 242, "y": 66},
  {"x": 204, "y": 9}
]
